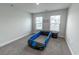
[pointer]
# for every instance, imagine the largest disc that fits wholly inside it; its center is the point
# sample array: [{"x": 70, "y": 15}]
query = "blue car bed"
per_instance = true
[{"x": 39, "y": 40}]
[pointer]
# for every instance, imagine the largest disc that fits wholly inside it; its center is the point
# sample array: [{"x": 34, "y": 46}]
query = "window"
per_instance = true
[
  {"x": 38, "y": 22},
  {"x": 55, "y": 23}
]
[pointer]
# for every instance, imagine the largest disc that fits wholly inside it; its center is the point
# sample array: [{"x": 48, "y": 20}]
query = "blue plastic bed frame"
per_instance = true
[{"x": 38, "y": 45}]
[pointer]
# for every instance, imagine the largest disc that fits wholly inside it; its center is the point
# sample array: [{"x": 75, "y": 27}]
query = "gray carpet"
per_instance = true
[{"x": 20, "y": 47}]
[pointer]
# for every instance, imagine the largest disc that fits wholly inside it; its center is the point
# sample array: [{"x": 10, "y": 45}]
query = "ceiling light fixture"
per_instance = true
[{"x": 37, "y": 3}]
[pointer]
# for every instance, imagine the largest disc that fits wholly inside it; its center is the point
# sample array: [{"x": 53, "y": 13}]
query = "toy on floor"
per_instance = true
[{"x": 39, "y": 40}]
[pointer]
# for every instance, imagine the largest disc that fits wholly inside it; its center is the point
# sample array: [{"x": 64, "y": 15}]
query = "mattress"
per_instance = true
[{"x": 40, "y": 39}]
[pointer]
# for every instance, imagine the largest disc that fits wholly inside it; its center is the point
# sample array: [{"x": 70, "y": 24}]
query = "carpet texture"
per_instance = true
[{"x": 20, "y": 47}]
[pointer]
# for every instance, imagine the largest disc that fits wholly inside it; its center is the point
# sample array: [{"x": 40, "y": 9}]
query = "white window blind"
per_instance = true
[
  {"x": 55, "y": 23},
  {"x": 38, "y": 22}
]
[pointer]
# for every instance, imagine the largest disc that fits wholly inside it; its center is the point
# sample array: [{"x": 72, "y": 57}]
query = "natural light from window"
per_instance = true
[
  {"x": 55, "y": 23},
  {"x": 38, "y": 22}
]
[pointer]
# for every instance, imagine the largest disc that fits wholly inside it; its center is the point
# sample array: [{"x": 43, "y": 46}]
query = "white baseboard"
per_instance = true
[
  {"x": 8, "y": 42},
  {"x": 69, "y": 47}
]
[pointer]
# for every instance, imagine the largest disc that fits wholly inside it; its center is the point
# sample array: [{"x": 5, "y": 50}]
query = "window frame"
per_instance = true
[
  {"x": 55, "y": 23},
  {"x": 36, "y": 23}
]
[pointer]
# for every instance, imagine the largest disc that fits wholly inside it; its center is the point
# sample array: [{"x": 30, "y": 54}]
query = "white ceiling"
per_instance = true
[{"x": 33, "y": 8}]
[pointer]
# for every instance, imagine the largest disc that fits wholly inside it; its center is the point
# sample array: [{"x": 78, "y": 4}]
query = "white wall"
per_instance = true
[
  {"x": 46, "y": 18},
  {"x": 14, "y": 23},
  {"x": 72, "y": 33}
]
